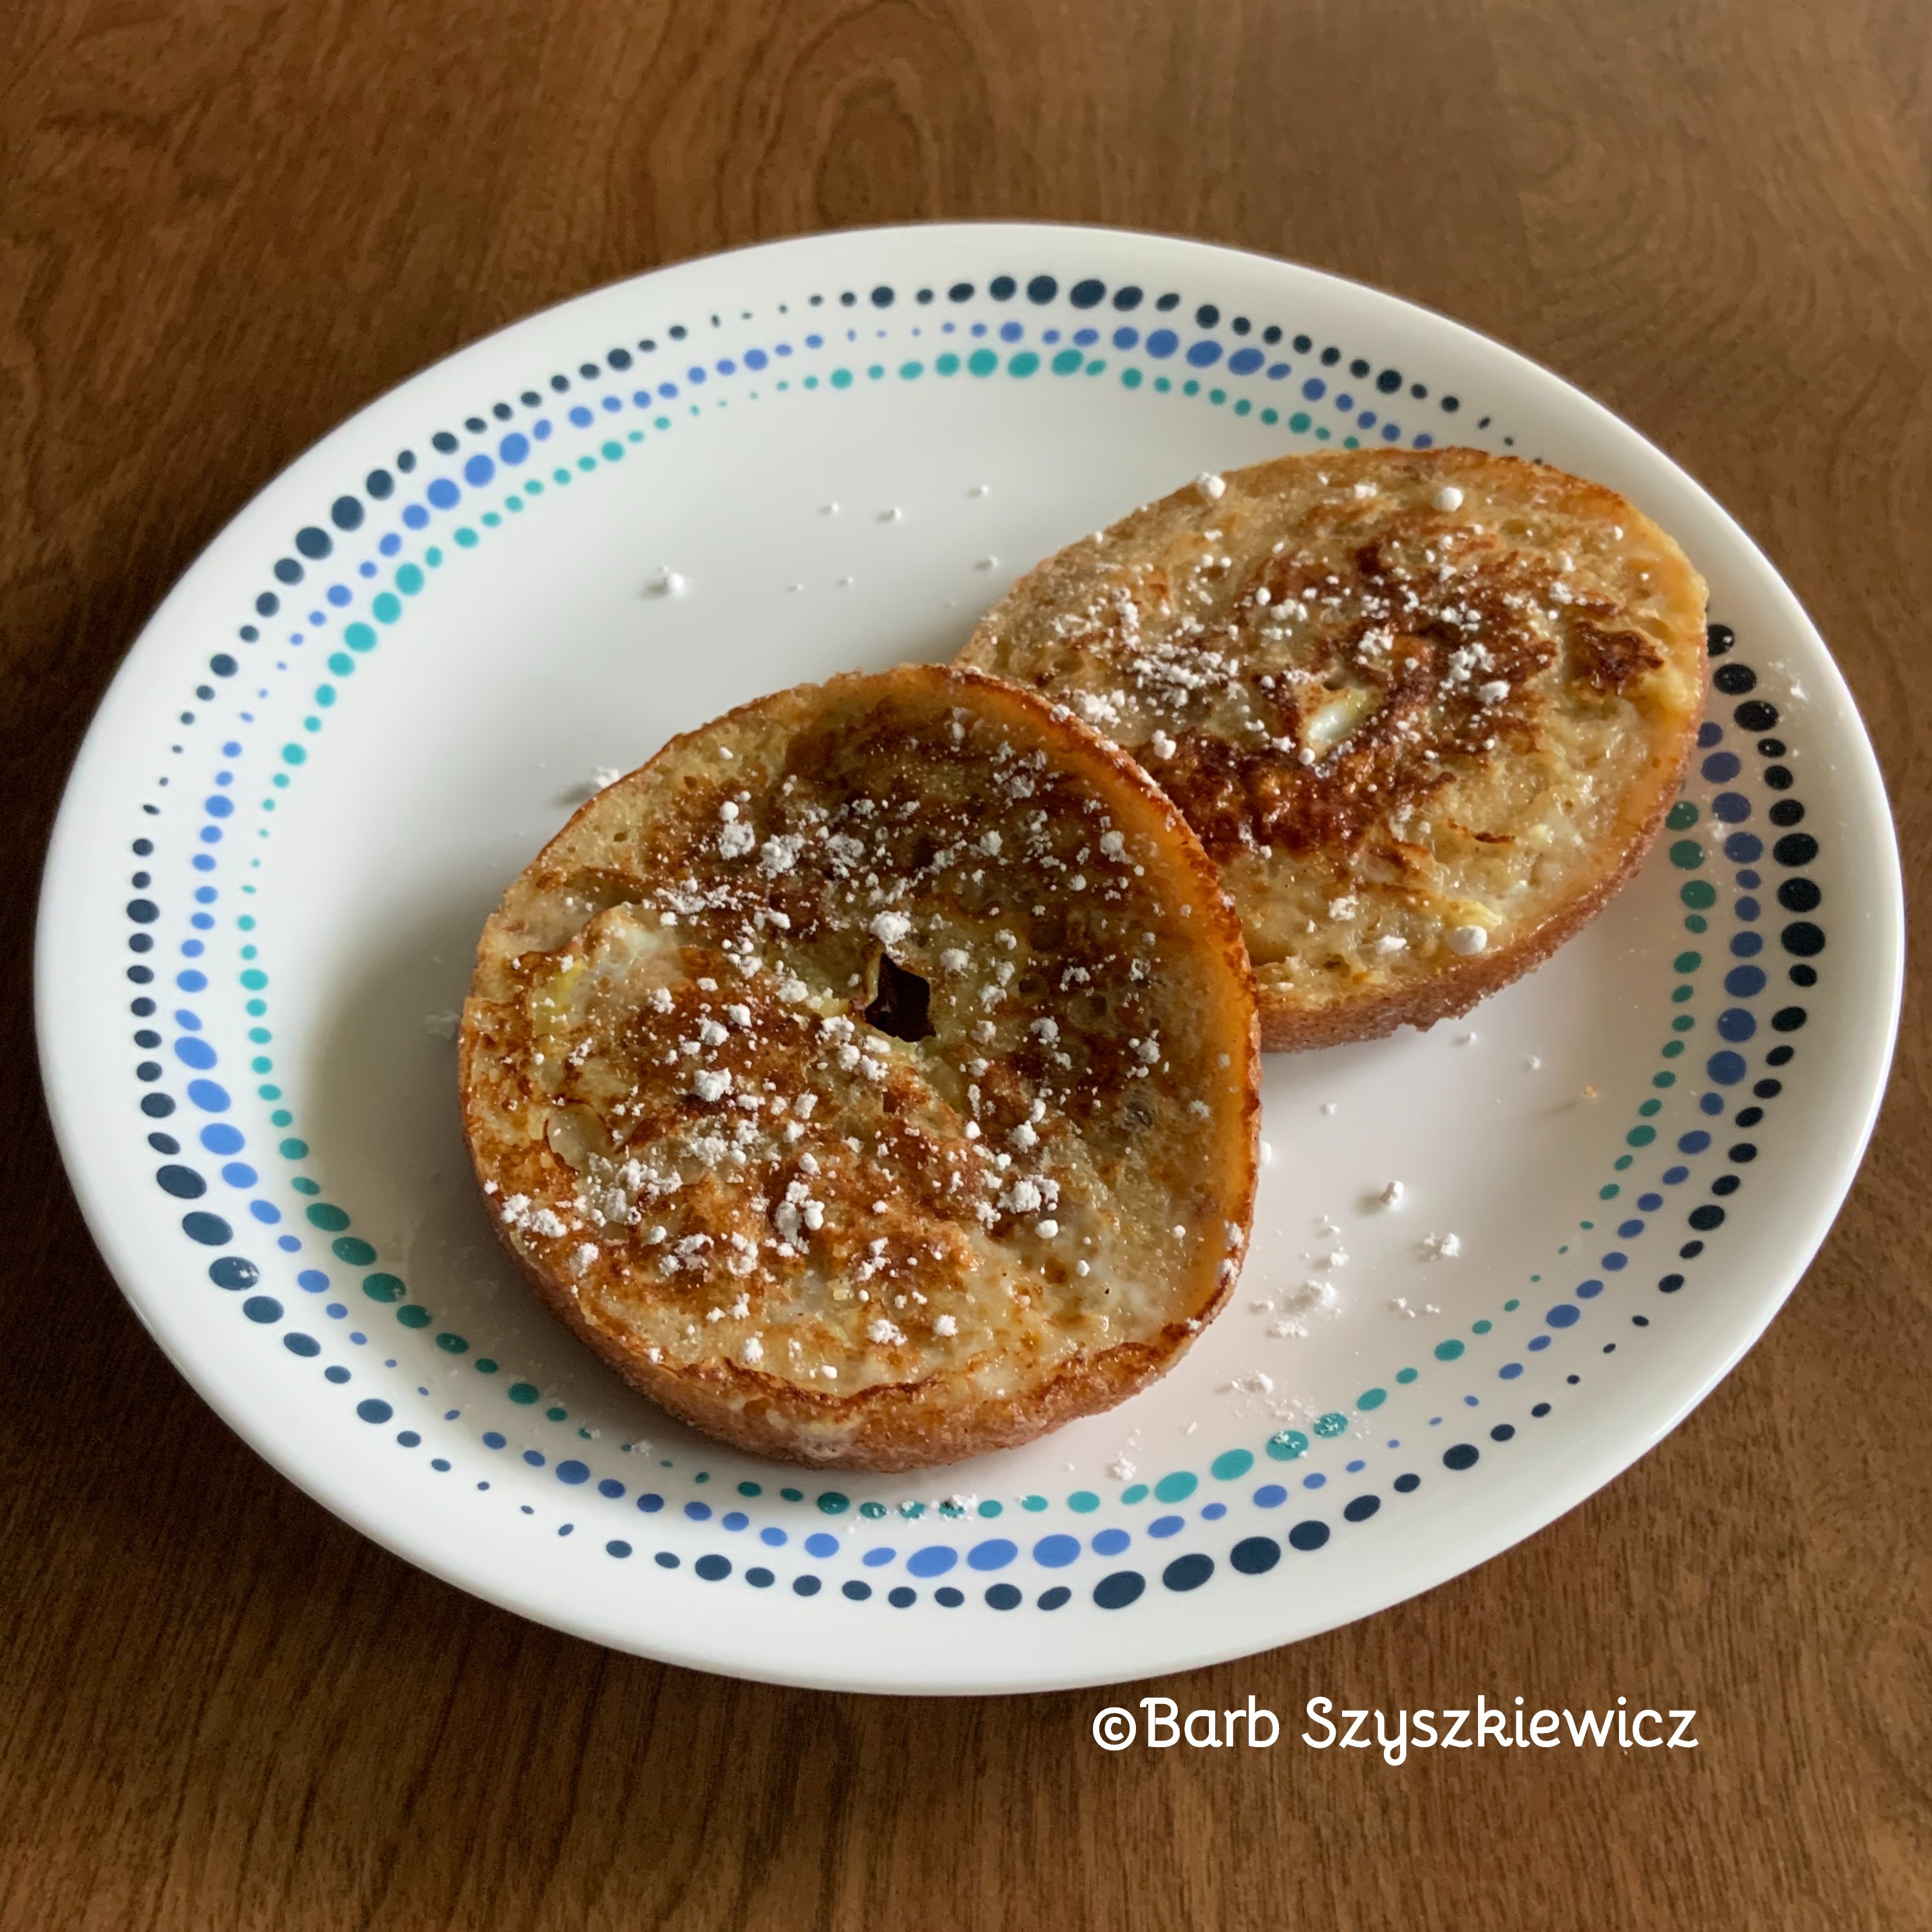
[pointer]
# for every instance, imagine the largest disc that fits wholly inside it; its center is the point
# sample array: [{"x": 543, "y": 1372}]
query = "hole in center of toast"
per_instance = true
[{"x": 900, "y": 1006}]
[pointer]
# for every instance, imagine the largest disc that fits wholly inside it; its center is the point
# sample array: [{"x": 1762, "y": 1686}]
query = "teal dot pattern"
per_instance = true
[{"x": 500, "y": 478}]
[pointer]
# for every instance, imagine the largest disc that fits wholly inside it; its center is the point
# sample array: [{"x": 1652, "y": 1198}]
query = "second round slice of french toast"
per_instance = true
[{"x": 1427, "y": 709}]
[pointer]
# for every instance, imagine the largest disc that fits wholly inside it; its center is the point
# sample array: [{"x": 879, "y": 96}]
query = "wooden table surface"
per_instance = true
[{"x": 225, "y": 224}]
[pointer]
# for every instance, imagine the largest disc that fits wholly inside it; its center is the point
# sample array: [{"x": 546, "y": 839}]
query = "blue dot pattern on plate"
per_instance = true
[{"x": 623, "y": 399}]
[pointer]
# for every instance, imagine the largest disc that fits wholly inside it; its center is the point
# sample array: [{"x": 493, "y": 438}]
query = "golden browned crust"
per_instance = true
[
  {"x": 1427, "y": 709},
  {"x": 985, "y": 945}
]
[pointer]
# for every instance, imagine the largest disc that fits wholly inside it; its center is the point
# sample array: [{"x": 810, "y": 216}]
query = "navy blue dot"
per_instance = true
[
  {"x": 857, "y": 1591},
  {"x": 650, "y": 1503},
  {"x": 1787, "y": 1019},
  {"x": 1188, "y": 1572},
  {"x": 573, "y": 1472},
  {"x": 1041, "y": 289},
  {"x": 1361, "y": 1508},
  {"x": 714, "y": 1569},
  {"x": 1003, "y": 1597},
  {"x": 183, "y": 1182},
  {"x": 1309, "y": 1535},
  {"x": 1116, "y": 1591},
  {"x": 1001, "y": 288},
  {"x": 313, "y": 541},
  {"x": 287, "y": 571},
  {"x": 1464, "y": 1454},
  {"x": 301, "y": 1345},
  {"x": 617, "y": 1546},
  {"x": 234, "y": 1271},
  {"x": 1795, "y": 848},
  {"x": 1053, "y": 1599},
  {"x": 263, "y": 1308},
  {"x": 336, "y": 1373},
  {"x": 1087, "y": 294},
  {"x": 902, "y": 1597},
  {"x": 664, "y": 1559},
  {"x": 806, "y": 1586},
  {"x": 1127, "y": 298},
  {"x": 211, "y": 1230},
  {"x": 222, "y": 664},
  {"x": 609, "y": 1486},
  {"x": 948, "y": 1598},
  {"x": 1706, "y": 1217},
  {"x": 1406, "y": 1484},
  {"x": 373, "y": 1409},
  {"x": 1254, "y": 1555},
  {"x": 760, "y": 1578}
]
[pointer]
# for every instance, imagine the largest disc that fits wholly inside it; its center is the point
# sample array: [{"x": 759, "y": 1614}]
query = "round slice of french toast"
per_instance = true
[
  {"x": 1427, "y": 709},
  {"x": 870, "y": 1078}
]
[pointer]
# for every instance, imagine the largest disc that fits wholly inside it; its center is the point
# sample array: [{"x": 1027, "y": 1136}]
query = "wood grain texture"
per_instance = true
[{"x": 223, "y": 223}]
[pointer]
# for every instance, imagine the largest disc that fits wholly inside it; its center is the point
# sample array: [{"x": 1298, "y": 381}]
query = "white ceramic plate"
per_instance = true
[{"x": 390, "y": 678}]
